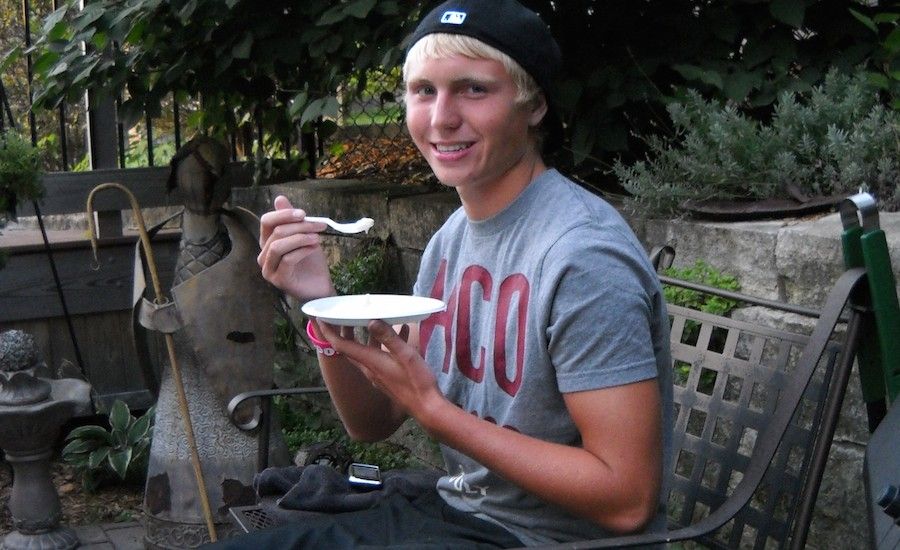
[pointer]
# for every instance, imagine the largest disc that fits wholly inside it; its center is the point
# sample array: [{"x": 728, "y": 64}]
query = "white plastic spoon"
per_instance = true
[{"x": 360, "y": 225}]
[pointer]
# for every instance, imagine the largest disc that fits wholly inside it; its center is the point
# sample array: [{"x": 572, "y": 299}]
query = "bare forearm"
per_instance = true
[{"x": 367, "y": 414}]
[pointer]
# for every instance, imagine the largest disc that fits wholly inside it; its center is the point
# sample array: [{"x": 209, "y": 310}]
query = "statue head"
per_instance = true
[{"x": 196, "y": 173}]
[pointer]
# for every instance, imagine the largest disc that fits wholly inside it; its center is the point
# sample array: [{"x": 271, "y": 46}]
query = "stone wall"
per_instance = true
[{"x": 793, "y": 260}]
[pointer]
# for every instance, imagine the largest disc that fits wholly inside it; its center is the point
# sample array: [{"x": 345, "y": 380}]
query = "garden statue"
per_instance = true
[
  {"x": 221, "y": 318},
  {"x": 32, "y": 410}
]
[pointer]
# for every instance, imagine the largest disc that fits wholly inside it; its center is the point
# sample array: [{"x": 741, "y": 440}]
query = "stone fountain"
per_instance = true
[{"x": 33, "y": 407}]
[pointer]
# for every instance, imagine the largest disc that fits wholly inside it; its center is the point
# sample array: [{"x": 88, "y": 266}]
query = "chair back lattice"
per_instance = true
[{"x": 729, "y": 376}]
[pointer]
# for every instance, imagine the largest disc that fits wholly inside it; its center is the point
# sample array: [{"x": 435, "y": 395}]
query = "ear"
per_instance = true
[{"x": 538, "y": 110}]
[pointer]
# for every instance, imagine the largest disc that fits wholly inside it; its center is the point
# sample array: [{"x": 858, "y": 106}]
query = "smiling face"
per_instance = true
[{"x": 463, "y": 115}]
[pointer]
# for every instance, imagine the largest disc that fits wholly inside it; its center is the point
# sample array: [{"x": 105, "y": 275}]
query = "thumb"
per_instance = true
[{"x": 281, "y": 203}]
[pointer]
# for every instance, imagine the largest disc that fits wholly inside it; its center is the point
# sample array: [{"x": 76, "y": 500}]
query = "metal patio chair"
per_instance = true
[{"x": 755, "y": 414}]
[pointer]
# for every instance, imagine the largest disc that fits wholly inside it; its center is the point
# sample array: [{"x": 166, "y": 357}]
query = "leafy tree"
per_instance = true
[
  {"x": 274, "y": 65},
  {"x": 885, "y": 25},
  {"x": 13, "y": 69},
  {"x": 625, "y": 60},
  {"x": 278, "y": 65}
]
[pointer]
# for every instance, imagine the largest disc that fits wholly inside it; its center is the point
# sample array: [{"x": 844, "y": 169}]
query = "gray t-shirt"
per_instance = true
[{"x": 552, "y": 295}]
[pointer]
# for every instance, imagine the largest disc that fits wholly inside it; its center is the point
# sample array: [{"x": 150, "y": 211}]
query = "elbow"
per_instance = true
[
  {"x": 631, "y": 520},
  {"x": 364, "y": 436},
  {"x": 368, "y": 433}
]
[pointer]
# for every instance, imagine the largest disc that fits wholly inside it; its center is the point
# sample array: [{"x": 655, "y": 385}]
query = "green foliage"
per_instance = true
[
  {"x": 20, "y": 176},
  {"x": 285, "y": 334},
  {"x": 122, "y": 450},
  {"x": 624, "y": 60},
  {"x": 276, "y": 65},
  {"x": 279, "y": 64},
  {"x": 302, "y": 427},
  {"x": 20, "y": 171},
  {"x": 137, "y": 154},
  {"x": 700, "y": 272},
  {"x": 836, "y": 139},
  {"x": 364, "y": 272},
  {"x": 884, "y": 22}
]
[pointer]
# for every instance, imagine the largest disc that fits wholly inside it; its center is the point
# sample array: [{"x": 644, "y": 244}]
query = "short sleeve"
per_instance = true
[{"x": 600, "y": 300}]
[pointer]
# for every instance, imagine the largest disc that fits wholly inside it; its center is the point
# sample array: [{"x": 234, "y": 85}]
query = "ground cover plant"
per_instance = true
[{"x": 115, "y": 454}]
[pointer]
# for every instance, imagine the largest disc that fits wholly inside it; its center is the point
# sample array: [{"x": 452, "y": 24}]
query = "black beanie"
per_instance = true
[{"x": 504, "y": 24}]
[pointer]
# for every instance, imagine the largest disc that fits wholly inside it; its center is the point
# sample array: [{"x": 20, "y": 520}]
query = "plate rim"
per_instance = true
[{"x": 439, "y": 306}]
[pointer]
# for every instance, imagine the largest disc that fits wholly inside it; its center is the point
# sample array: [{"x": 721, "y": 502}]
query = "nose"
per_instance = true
[{"x": 445, "y": 111}]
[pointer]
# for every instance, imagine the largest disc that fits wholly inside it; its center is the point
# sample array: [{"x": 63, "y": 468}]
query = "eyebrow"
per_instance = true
[{"x": 469, "y": 79}]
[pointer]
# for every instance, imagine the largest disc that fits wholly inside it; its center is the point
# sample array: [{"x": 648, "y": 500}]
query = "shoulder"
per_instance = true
[
  {"x": 591, "y": 237},
  {"x": 584, "y": 220}
]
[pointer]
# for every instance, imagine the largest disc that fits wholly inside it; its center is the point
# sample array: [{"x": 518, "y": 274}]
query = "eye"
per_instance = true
[
  {"x": 477, "y": 89},
  {"x": 422, "y": 89}
]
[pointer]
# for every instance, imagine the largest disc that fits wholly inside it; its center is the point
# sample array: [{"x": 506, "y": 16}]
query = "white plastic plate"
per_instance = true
[{"x": 358, "y": 309}]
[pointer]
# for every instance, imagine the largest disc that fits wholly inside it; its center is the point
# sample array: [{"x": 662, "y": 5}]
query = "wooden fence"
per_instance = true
[{"x": 98, "y": 295}]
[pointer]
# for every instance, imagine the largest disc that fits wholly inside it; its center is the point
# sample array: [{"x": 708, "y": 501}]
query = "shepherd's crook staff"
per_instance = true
[{"x": 170, "y": 342}]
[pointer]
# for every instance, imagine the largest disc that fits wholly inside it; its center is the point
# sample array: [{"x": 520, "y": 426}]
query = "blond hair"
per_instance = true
[{"x": 444, "y": 45}]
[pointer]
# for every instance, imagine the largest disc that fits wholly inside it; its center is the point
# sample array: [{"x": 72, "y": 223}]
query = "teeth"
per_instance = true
[{"x": 451, "y": 148}]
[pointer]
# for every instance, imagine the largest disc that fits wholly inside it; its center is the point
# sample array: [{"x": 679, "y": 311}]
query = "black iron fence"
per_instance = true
[{"x": 87, "y": 133}]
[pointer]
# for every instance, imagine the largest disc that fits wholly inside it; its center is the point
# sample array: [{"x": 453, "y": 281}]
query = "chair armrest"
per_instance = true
[{"x": 263, "y": 422}]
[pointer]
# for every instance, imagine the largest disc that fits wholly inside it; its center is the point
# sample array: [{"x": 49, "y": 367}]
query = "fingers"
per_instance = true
[
  {"x": 267, "y": 223},
  {"x": 285, "y": 237},
  {"x": 344, "y": 341},
  {"x": 285, "y": 220},
  {"x": 281, "y": 203},
  {"x": 394, "y": 343},
  {"x": 290, "y": 250}
]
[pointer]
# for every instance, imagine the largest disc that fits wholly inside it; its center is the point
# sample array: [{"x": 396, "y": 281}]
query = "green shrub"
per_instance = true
[
  {"x": 20, "y": 176},
  {"x": 20, "y": 171},
  {"x": 700, "y": 272},
  {"x": 303, "y": 424},
  {"x": 363, "y": 273},
  {"x": 121, "y": 451},
  {"x": 837, "y": 139}
]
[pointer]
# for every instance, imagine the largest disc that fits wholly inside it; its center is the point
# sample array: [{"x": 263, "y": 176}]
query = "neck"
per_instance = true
[
  {"x": 197, "y": 228},
  {"x": 484, "y": 201}
]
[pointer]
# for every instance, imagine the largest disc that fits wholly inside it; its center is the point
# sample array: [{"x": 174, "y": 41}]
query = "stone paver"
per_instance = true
[
  {"x": 90, "y": 534},
  {"x": 124, "y": 536},
  {"x": 111, "y": 536}
]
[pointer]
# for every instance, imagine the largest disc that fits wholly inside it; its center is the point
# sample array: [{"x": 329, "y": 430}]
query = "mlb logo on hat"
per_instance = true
[{"x": 453, "y": 17}]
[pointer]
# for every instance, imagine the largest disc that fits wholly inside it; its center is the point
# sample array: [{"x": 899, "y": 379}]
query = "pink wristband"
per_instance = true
[{"x": 322, "y": 346}]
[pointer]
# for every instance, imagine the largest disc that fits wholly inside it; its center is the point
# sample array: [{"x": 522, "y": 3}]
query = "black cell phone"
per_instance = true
[{"x": 364, "y": 476}]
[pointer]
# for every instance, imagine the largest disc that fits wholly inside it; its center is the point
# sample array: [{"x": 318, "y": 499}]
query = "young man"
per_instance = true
[{"x": 547, "y": 379}]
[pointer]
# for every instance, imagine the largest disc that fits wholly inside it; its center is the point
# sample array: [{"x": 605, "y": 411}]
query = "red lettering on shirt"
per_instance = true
[
  {"x": 515, "y": 285},
  {"x": 513, "y": 293},
  {"x": 443, "y": 319},
  {"x": 474, "y": 274}
]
